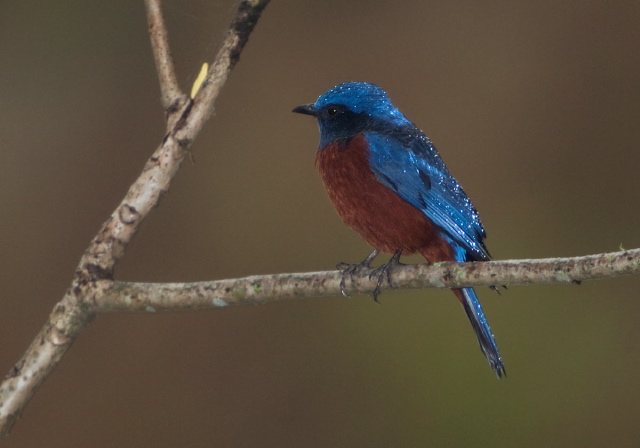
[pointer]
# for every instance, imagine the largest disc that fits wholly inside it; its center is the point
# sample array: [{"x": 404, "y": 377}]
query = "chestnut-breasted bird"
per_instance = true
[{"x": 388, "y": 182}]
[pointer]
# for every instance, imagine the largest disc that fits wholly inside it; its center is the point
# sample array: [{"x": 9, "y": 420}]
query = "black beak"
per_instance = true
[{"x": 306, "y": 109}]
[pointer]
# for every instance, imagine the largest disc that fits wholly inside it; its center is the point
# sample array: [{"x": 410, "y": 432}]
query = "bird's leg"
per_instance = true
[
  {"x": 350, "y": 269},
  {"x": 384, "y": 271}
]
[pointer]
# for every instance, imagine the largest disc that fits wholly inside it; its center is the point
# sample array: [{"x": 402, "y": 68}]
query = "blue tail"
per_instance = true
[{"x": 480, "y": 325}]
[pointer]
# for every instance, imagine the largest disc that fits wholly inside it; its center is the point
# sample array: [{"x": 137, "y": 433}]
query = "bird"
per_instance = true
[{"x": 388, "y": 182}]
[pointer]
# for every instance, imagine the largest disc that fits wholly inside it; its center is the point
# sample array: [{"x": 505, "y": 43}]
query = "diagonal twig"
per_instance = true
[
  {"x": 170, "y": 91},
  {"x": 94, "y": 273}
]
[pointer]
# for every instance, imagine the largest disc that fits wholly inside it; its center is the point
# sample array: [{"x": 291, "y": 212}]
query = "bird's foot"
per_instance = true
[
  {"x": 495, "y": 288},
  {"x": 384, "y": 272},
  {"x": 351, "y": 269}
]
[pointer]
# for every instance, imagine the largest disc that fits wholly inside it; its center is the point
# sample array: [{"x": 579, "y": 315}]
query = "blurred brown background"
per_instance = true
[{"x": 534, "y": 107}]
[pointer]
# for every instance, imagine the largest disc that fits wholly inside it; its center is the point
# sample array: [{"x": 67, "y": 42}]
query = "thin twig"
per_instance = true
[
  {"x": 170, "y": 91},
  {"x": 131, "y": 297},
  {"x": 94, "y": 274},
  {"x": 249, "y": 12}
]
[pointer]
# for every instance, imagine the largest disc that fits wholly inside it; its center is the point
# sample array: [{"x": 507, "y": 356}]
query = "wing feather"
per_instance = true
[{"x": 407, "y": 162}]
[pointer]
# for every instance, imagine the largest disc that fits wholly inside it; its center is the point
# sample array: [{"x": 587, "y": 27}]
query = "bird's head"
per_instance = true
[{"x": 351, "y": 108}]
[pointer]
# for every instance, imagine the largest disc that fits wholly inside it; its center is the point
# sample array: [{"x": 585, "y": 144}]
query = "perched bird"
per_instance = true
[{"x": 388, "y": 182}]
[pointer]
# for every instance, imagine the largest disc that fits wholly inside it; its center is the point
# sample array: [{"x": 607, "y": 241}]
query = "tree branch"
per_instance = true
[
  {"x": 170, "y": 91},
  {"x": 257, "y": 289},
  {"x": 94, "y": 273}
]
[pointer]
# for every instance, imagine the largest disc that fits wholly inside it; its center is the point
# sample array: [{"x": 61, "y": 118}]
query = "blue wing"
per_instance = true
[{"x": 407, "y": 162}]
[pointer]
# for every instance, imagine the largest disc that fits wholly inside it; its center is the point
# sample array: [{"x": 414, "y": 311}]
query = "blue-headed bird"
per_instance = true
[{"x": 388, "y": 182}]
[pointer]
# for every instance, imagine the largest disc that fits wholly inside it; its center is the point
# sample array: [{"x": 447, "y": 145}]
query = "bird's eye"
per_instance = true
[{"x": 332, "y": 110}]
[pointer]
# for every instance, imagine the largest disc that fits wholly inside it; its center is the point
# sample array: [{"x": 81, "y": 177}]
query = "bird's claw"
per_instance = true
[
  {"x": 383, "y": 272},
  {"x": 351, "y": 269},
  {"x": 495, "y": 288}
]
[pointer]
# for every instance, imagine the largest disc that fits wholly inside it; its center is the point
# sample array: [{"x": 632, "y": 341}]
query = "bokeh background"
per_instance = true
[{"x": 535, "y": 107}]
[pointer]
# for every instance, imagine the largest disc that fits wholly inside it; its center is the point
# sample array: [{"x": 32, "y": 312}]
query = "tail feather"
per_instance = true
[{"x": 480, "y": 325}]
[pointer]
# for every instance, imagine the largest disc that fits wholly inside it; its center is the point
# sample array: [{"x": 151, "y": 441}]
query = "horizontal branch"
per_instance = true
[{"x": 125, "y": 296}]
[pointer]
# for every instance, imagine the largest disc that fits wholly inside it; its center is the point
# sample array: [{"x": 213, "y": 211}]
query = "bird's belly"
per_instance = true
[{"x": 378, "y": 214}]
